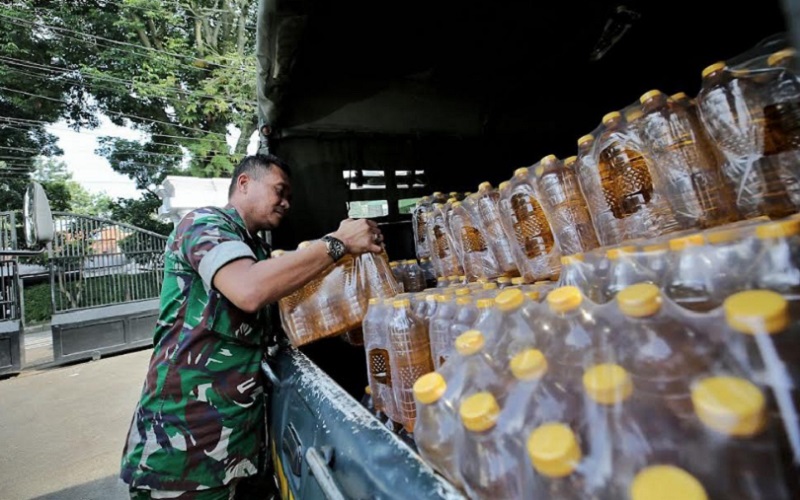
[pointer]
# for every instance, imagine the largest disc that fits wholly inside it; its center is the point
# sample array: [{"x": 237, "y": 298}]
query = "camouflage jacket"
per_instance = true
[{"x": 199, "y": 420}]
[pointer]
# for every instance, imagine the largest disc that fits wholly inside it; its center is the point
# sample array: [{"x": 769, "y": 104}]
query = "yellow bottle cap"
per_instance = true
[
  {"x": 462, "y": 278},
  {"x": 393, "y": 264},
  {"x": 452, "y": 278},
  {"x": 368, "y": 390},
  {"x": 713, "y": 68},
  {"x": 571, "y": 259},
  {"x": 443, "y": 298},
  {"x": 570, "y": 160},
  {"x": 757, "y": 311},
  {"x": 533, "y": 295},
  {"x": 484, "y": 303},
  {"x": 479, "y": 412},
  {"x": 554, "y": 450},
  {"x": 303, "y": 244},
  {"x": 374, "y": 300},
  {"x": 610, "y": 117},
  {"x": 779, "y": 56},
  {"x": 781, "y": 229},
  {"x": 585, "y": 138},
  {"x": 656, "y": 247},
  {"x": 615, "y": 253},
  {"x": 463, "y": 301},
  {"x": 439, "y": 206},
  {"x": 389, "y": 301},
  {"x": 650, "y": 95},
  {"x": 666, "y": 482},
  {"x": 504, "y": 280},
  {"x": 521, "y": 172},
  {"x": 437, "y": 194},
  {"x": 509, "y": 300},
  {"x": 539, "y": 170},
  {"x": 564, "y": 299},
  {"x": 470, "y": 342},
  {"x": 462, "y": 291},
  {"x": 399, "y": 304},
  {"x": 679, "y": 96},
  {"x": 456, "y": 204},
  {"x": 607, "y": 384},
  {"x": 730, "y": 405},
  {"x": 633, "y": 115},
  {"x": 678, "y": 244},
  {"x": 519, "y": 280},
  {"x": 489, "y": 286},
  {"x": 429, "y": 388},
  {"x": 453, "y": 194},
  {"x": 484, "y": 186},
  {"x": 640, "y": 300},
  {"x": 467, "y": 193},
  {"x": 549, "y": 159},
  {"x": 441, "y": 278},
  {"x": 503, "y": 185},
  {"x": 451, "y": 200},
  {"x": 529, "y": 364},
  {"x": 277, "y": 253},
  {"x": 543, "y": 282}
]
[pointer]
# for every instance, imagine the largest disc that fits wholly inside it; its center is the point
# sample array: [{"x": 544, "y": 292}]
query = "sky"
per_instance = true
[{"x": 94, "y": 172}]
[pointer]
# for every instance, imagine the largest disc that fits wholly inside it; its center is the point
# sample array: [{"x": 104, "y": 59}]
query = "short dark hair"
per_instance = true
[{"x": 255, "y": 166}]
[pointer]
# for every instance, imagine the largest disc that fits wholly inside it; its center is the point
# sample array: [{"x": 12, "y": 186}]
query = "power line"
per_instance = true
[
  {"x": 84, "y": 150},
  {"x": 116, "y": 42}
]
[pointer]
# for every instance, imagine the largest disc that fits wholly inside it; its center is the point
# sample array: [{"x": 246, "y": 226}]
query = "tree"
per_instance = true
[{"x": 65, "y": 194}]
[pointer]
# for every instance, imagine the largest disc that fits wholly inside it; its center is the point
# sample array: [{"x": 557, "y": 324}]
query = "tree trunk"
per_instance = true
[
  {"x": 241, "y": 36},
  {"x": 198, "y": 37},
  {"x": 142, "y": 35},
  {"x": 244, "y": 139},
  {"x": 154, "y": 32}
]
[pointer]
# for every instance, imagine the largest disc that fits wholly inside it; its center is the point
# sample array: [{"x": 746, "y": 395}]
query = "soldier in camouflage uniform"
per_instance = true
[{"x": 197, "y": 429}]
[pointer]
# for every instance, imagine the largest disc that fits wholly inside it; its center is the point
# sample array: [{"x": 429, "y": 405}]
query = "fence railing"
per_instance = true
[
  {"x": 9, "y": 291},
  {"x": 96, "y": 262},
  {"x": 8, "y": 231}
]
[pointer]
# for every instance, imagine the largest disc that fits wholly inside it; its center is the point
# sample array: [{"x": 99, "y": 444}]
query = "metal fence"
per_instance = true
[
  {"x": 9, "y": 291},
  {"x": 8, "y": 231},
  {"x": 97, "y": 262}
]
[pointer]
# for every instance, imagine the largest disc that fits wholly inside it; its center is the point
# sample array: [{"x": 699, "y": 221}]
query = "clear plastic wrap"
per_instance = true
[
  {"x": 445, "y": 257},
  {"x": 418, "y": 223},
  {"x": 477, "y": 258},
  {"x": 566, "y": 210},
  {"x": 525, "y": 222},
  {"x": 336, "y": 301},
  {"x": 486, "y": 205},
  {"x": 686, "y": 163}
]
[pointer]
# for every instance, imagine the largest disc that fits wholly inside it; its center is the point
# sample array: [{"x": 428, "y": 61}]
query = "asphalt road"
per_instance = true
[{"x": 62, "y": 430}]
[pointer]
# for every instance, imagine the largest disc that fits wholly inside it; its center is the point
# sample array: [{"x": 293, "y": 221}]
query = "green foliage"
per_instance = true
[
  {"x": 38, "y": 307},
  {"x": 140, "y": 213},
  {"x": 65, "y": 194}
]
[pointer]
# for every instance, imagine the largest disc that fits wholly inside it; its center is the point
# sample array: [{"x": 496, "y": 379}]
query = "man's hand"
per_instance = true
[{"x": 359, "y": 236}]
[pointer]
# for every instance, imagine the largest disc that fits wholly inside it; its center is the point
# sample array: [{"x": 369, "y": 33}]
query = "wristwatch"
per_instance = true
[{"x": 336, "y": 248}]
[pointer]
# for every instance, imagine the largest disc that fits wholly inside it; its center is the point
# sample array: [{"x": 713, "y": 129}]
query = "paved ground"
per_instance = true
[{"x": 62, "y": 429}]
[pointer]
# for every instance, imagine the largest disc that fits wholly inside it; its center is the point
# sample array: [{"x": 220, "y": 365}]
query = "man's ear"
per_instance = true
[{"x": 241, "y": 183}]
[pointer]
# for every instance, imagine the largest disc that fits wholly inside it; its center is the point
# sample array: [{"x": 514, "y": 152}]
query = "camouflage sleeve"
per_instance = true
[{"x": 208, "y": 241}]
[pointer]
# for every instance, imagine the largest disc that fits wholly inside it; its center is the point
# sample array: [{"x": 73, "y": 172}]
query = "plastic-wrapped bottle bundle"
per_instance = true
[
  {"x": 418, "y": 224},
  {"x": 686, "y": 280},
  {"x": 413, "y": 277},
  {"x": 597, "y": 188},
  {"x": 439, "y": 329},
  {"x": 686, "y": 164},
  {"x": 379, "y": 364},
  {"x": 777, "y": 264},
  {"x": 563, "y": 202},
  {"x": 443, "y": 251},
  {"x": 488, "y": 209},
  {"x": 477, "y": 259},
  {"x": 428, "y": 272},
  {"x": 398, "y": 272},
  {"x": 624, "y": 269}
]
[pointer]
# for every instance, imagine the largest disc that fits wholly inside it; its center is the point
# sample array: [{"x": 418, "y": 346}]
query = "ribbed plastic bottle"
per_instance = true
[
  {"x": 378, "y": 349},
  {"x": 442, "y": 250},
  {"x": 687, "y": 280},
  {"x": 489, "y": 464},
  {"x": 777, "y": 264},
  {"x": 410, "y": 358},
  {"x": 487, "y": 206},
  {"x": 597, "y": 188},
  {"x": 398, "y": 272},
  {"x": 418, "y": 224},
  {"x": 414, "y": 279},
  {"x": 661, "y": 348},
  {"x": 477, "y": 259},
  {"x": 727, "y": 110},
  {"x": 439, "y": 329},
  {"x": 628, "y": 181},
  {"x": 624, "y": 269},
  {"x": 565, "y": 207},
  {"x": 658, "y": 482},
  {"x": 516, "y": 315},
  {"x": 686, "y": 164}
]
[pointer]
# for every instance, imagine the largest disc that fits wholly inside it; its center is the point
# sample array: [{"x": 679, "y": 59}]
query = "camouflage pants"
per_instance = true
[{"x": 223, "y": 493}]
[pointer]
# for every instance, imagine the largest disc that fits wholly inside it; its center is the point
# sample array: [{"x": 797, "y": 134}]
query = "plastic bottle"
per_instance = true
[
  {"x": 686, "y": 164},
  {"x": 660, "y": 348},
  {"x": 597, "y": 187},
  {"x": 658, "y": 482},
  {"x": 378, "y": 349},
  {"x": 442, "y": 250},
  {"x": 762, "y": 338},
  {"x": 428, "y": 272},
  {"x": 439, "y": 197},
  {"x": 687, "y": 280},
  {"x": 628, "y": 182},
  {"x": 413, "y": 280},
  {"x": 418, "y": 224},
  {"x": 399, "y": 274},
  {"x": 487, "y": 206},
  {"x": 463, "y": 320},
  {"x": 410, "y": 358},
  {"x": 554, "y": 450},
  {"x": 380, "y": 281},
  {"x": 366, "y": 400},
  {"x": 624, "y": 270},
  {"x": 575, "y": 272},
  {"x": 566, "y": 210},
  {"x": 489, "y": 464},
  {"x": 778, "y": 260},
  {"x": 780, "y": 97},
  {"x": 726, "y": 108},
  {"x": 514, "y": 330},
  {"x": 577, "y": 335},
  {"x": 477, "y": 259},
  {"x": 733, "y": 433}
]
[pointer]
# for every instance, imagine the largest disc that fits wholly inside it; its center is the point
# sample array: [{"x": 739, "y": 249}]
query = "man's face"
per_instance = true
[{"x": 269, "y": 198}]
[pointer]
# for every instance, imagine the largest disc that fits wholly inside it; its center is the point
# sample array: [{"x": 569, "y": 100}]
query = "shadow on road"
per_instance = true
[{"x": 106, "y": 488}]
